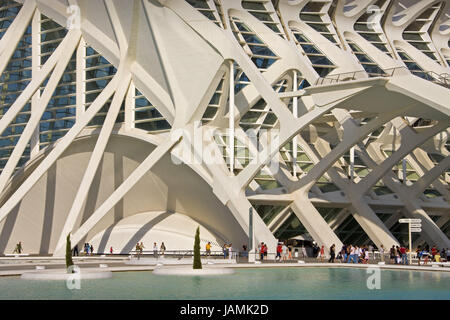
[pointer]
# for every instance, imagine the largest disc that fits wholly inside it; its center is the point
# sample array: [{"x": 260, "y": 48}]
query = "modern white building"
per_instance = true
[{"x": 139, "y": 120}]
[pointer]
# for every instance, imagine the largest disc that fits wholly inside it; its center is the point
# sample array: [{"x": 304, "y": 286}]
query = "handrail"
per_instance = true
[{"x": 441, "y": 79}]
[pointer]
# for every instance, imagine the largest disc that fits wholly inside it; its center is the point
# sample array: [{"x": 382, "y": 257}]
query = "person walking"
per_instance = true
[
  {"x": 230, "y": 251},
  {"x": 92, "y": 249},
  {"x": 289, "y": 252},
  {"x": 18, "y": 248},
  {"x": 75, "y": 250},
  {"x": 279, "y": 250},
  {"x": 162, "y": 249},
  {"x": 332, "y": 254},
  {"x": 155, "y": 250},
  {"x": 111, "y": 250},
  {"x": 225, "y": 250},
  {"x": 208, "y": 249}
]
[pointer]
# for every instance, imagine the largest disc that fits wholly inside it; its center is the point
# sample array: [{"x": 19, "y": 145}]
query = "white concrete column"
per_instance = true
[
  {"x": 36, "y": 66},
  {"x": 295, "y": 113},
  {"x": 81, "y": 79},
  {"x": 130, "y": 105},
  {"x": 313, "y": 221},
  {"x": 352, "y": 163},
  {"x": 231, "y": 119},
  {"x": 404, "y": 170}
]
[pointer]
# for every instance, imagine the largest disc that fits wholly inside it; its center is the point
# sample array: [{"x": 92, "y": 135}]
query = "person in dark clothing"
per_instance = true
[
  {"x": 75, "y": 250},
  {"x": 332, "y": 253}
]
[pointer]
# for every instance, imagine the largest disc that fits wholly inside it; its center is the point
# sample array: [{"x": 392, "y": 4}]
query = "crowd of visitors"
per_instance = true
[
  {"x": 88, "y": 249},
  {"x": 227, "y": 250}
]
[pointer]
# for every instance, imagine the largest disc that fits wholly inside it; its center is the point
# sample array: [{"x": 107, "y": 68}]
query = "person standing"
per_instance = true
[
  {"x": 244, "y": 251},
  {"x": 322, "y": 253},
  {"x": 138, "y": 250},
  {"x": 290, "y": 252},
  {"x": 392, "y": 254},
  {"x": 265, "y": 251},
  {"x": 230, "y": 251},
  {"x": 284, "y": 250},
  {"x": 92, "y": 249},
  {"x": 75, "y": 250},
  {"x": 141, "y": 248},
  {"x": 225, "y": 250},
  {"x": 111, "y": 250},
  {"x": 344, "y": 253},
  {"x": 261, "y": 251},
  {"x": 162, "y": 249},
  {"x": 433, "y": 252},
  {"x": 332, "y": 253},
  {"x": 155, "y": 250},
  {"x": 382, "y": 253},
  {"x": 404, "y": 256},
  {"x": 366, "y": 256},
  {"x": 351, "y": 257}
]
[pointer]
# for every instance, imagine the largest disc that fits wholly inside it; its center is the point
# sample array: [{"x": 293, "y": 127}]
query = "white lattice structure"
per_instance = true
[{"x": 102, "y": 101}]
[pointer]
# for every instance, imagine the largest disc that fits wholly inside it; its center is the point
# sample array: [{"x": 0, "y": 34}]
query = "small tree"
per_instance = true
[
  {"x": 197, "y": 260},
  {"x": 69, "y": 261}
]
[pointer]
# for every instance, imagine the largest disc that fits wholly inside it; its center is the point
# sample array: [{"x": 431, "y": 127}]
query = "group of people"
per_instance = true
[
  {"x": 398, "y": 255},
  {"x": 227, "y": 250},
  {"x": 88, "y": 249},
  {"x": 347, "y": 254},
  {"x": 140, "y": 249},
  {"x": 434, "y": 255},
  {"x": 283, "y": 252},
  {"x": 262, "y": 249}
]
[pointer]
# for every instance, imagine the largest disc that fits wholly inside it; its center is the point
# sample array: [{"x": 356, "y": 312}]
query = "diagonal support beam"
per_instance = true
[
  {"x": 11, "y": 38},
  {"x": 122, "y": 190},
  {"x": 95, "y": 159},
  {"x": 69, "y": 44},
  {"x": 35, "y": 84},
  {"x": 59, "y": 148},
  {"x": 429, "y": 177}
]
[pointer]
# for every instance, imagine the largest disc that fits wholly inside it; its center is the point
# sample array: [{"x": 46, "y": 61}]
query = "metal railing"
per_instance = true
[
  {"x": 440, "y": 79},
  {"x": 180, "y": 254}
]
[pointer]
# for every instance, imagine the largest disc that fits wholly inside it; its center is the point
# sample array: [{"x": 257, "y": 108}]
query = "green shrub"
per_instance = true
[
  {"x": 69, "y": 261},
  {"x": 197, "y": 259}
]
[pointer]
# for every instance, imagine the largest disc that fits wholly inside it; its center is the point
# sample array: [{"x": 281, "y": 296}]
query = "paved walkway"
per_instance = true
[{"x": 117, "y": 264}]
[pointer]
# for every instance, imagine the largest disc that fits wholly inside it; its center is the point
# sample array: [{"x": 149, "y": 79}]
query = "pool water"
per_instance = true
[{"x": 267, "y": 283}]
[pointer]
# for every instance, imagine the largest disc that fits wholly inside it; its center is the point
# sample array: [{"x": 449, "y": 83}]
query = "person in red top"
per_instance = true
[
  {"x": 322, "y": 253},
  {"x": 403, "y": 253},
  {"x": 279, "y": 250},
  {"x": 433, "y": 252}
]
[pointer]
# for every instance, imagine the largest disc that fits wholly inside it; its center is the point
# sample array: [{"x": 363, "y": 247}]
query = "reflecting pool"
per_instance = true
[{"x": 258, "y": 283}]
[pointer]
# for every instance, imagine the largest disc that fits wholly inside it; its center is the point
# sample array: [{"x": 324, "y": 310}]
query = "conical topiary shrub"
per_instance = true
[
  {"x": 197, "y": 260},
  {"x": 69, "y": 261}
]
